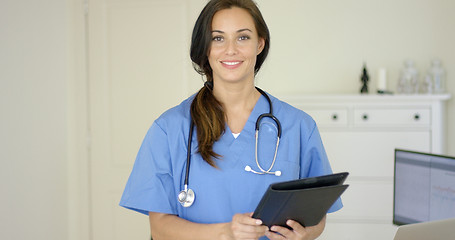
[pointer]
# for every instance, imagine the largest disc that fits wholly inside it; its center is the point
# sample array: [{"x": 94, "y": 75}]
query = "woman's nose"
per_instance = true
[{"x": 231, "y": 47}]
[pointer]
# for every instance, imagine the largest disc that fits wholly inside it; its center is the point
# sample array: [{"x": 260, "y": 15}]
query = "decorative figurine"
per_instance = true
[{"x": 364, "y": 80}]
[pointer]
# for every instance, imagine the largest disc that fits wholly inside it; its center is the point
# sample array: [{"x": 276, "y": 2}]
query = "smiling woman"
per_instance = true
[
  {"x": 230, "y": 42},
  {"x": 210, "y": 39}
]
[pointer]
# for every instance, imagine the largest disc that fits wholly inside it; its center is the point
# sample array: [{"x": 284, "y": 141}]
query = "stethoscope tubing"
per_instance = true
[
  {"x": 188, "y": 154},
  {"x": 269, "y": 115},
  {"x": 256, "y": 155},
  {"x": 186, "y": 196}
]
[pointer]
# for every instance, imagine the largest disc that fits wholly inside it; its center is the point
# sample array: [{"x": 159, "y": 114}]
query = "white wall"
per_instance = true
[
  {"x": 33, "y": 122},
  {"x": 317, "y": 47}
]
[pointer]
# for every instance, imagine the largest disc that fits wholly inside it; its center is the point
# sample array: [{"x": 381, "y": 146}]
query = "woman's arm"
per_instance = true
[
  {"x": 166, "y": 226},
  {"x": 298, "y": 232}
]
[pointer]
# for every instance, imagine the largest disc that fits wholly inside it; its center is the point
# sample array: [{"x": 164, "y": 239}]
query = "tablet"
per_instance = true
[{"x": 305, "y": 200}]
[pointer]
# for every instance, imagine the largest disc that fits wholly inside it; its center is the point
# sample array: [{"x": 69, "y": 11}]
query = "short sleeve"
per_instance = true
[
  {"x": 314, "y": 159},
  {"x": 150, "y": 186}
]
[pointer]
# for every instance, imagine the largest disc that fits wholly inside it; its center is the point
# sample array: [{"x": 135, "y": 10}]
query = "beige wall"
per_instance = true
[
  {"x": 318, "y": 47},
  {"x": 33, "y": 122}
]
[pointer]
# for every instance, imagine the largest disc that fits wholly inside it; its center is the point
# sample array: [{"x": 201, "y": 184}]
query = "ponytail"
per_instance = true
[{"x": 208, "y": 116}]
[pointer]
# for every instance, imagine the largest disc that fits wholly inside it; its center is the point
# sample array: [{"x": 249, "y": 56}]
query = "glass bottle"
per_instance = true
[
  {"x": 427, "y": 85},
  {"x": 437, "y": 75},
  {"x": 408, "y": 82}
]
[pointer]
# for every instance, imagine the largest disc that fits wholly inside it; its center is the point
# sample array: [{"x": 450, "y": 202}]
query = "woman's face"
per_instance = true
[{"x": 234, "y": 47}]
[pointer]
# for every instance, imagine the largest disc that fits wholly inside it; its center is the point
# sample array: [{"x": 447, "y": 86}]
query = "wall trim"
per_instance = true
[{"x": 79, "y": 214}]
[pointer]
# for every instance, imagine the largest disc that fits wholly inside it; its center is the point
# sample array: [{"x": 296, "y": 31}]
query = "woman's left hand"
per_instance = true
[{"x": 297, "y": 231}]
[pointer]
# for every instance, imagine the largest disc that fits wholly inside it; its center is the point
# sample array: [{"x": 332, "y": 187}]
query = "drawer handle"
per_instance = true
[
  {"x": 334, "y": 117},
  {"x": 417, "y": 117},
  {"x": 365, "y": 117}
]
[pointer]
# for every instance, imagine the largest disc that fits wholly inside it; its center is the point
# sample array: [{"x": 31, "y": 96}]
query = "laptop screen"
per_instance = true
[{"x": 424, "y": 187}]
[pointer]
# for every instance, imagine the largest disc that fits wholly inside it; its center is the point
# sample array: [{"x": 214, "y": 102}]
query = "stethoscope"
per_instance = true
[{"x": 186, "y": 197}]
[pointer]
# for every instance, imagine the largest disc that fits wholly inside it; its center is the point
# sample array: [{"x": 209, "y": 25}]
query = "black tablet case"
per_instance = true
[{"x": 305, "y": 200}]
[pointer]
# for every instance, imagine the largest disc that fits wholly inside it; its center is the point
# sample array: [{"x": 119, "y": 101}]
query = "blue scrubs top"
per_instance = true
[{"x": 159, "y": 171}]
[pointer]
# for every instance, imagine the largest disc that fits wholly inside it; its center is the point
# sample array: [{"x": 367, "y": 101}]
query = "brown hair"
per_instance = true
[{"x": 206, "y": 111}]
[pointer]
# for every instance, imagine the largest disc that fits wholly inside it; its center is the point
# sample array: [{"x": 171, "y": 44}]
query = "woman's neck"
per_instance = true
[{"x": 238, "y": 102}]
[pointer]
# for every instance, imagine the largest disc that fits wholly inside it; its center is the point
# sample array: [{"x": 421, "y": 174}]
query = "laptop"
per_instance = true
[{"x": 434, "y": 230}]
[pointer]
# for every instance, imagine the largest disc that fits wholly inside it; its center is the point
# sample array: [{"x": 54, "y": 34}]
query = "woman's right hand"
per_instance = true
[{"x": 243, "y": 226}]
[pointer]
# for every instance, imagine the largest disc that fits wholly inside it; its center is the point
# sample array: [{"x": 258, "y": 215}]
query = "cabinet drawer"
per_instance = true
[
  {"x": 399, "y": 117},
  {"x": 370, "y": 153},
  {"x": 367, "y": 200},
  {"x": 329, "y": 117}
]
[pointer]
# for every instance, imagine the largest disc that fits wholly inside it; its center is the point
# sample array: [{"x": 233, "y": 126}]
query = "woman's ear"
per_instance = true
[{"x": 261, "y": 45}]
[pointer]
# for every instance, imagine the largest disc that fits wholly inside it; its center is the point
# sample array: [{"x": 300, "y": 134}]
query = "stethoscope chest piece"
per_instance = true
[{"x": 186, "y": 197}]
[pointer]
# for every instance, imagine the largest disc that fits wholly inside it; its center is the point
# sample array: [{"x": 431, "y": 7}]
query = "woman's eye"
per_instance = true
[
  {"x": 217, "y": 39},
  {"x": 244, "y": 37}
]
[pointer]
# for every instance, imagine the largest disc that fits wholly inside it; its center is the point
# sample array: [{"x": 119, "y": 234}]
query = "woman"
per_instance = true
[{"x": 229, "y": 44}]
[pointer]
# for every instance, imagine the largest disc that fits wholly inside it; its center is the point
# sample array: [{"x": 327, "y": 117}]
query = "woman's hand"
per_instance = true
[
  {"x": 243, "y": 226},
  {"x": 297, "y": 231}
]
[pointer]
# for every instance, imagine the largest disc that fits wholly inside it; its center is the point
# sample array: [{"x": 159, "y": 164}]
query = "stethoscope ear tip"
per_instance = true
[{"x": 249, "y": 169}]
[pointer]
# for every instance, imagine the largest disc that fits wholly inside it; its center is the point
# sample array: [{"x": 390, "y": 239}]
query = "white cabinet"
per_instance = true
[{"x": 360, "y": 133}]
